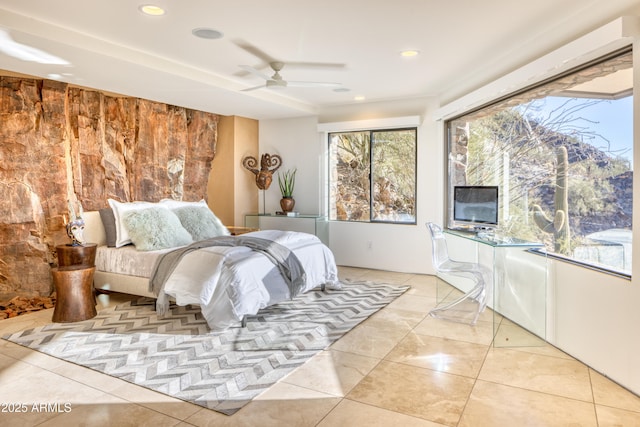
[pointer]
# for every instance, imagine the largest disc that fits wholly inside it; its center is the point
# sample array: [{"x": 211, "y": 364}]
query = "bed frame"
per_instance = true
[
  {"x": 103, "y": 280},
  {"x": 134, "y": 285}
]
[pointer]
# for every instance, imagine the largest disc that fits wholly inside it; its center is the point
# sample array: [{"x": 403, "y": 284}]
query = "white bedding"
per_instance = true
[{"x": 229, "y": 282}]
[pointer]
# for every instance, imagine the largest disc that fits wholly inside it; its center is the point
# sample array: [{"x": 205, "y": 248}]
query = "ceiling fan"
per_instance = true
[{"x": 277, "y": 82}]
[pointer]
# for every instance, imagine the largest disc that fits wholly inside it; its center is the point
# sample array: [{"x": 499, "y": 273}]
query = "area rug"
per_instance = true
[{"x": 178, "y": 355}]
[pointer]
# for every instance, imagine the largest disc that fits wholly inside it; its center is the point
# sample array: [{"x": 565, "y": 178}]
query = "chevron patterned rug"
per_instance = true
[{"x": 179, "y": 356}]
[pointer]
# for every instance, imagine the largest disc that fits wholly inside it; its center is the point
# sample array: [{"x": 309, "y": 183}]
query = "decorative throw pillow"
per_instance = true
[
  {"x": 155, "y": 228},
  {"x": 174, "y": 204},
  {"x": 200, "y": 222},
  {"x": 109, "y": 224},
  {"x": 119, "y": 209}
]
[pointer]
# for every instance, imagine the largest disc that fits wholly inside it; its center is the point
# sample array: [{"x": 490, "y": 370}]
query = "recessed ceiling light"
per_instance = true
[
  {"x": 153, "y": 10},
  {"x": 207, "y": 33},
  {"x": 409, "y": 53},
  {"x": 359, "y": 98}
]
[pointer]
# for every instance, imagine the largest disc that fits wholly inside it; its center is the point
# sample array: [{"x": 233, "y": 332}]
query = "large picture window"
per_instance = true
[
  {"x": 562, "y": 156},
  {"x": 372, "y": 176}
]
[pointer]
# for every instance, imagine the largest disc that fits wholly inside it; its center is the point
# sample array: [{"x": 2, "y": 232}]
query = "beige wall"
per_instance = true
[{"x": 232, "y": 192}]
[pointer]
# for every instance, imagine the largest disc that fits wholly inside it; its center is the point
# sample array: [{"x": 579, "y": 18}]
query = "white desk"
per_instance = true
[{"x": 518, "y": 293}]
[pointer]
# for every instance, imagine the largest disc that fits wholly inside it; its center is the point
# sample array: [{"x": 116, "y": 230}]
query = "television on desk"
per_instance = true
[{"x": 475, "y": 205}]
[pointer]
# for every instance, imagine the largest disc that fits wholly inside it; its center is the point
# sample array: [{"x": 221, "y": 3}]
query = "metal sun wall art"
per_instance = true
[{"x": 269, "y": 163}]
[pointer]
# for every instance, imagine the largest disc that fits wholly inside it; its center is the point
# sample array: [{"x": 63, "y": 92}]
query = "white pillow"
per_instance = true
[
  {"x": 173, "y": 204},
  {"x": 119, "y": 209},
  {"x": 155, "y": 228},
  {"x": 200, "y": 222}
]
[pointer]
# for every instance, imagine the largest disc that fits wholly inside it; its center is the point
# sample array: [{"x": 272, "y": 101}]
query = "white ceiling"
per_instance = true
[{"x": 463, "y": 44}]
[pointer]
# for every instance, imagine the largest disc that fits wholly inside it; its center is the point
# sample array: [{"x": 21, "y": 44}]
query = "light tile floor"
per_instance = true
[{"x": 398, "y": 368}]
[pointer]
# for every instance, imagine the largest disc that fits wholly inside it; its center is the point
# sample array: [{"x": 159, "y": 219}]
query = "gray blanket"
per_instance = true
[{"x": 286, "y": 261}]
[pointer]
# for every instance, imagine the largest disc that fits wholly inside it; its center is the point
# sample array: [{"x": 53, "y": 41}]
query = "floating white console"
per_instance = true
[
  {"x": 519, "y": 275},
  {"x": 312, "y": 224}
]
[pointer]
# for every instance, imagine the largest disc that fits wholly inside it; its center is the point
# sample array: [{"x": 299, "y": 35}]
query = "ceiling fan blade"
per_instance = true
[
  {"x": 248, "y": 47},
  {"x": 317, "y": 65},
  {"x": 313, "y": 84},
  {"x": 255, "y": 72},
  {"x": 253, "y": 88}
]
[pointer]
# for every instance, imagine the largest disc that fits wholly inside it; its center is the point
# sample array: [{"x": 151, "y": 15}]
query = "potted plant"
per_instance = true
[{"x": 287, "y": 182}]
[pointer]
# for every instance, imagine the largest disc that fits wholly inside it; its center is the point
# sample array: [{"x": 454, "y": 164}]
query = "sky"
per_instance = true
[{"x": 612, "y": 119}]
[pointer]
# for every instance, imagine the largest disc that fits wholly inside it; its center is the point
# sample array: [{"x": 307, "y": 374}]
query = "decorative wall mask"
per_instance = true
[
  {"x": 269, "y": 163},
  {"x": 75, "y": 226}
]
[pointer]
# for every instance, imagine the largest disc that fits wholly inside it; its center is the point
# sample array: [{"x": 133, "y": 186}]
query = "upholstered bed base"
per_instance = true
[
  {"x": 103, "y": 280},
  {"x": 133, "y": 285}
]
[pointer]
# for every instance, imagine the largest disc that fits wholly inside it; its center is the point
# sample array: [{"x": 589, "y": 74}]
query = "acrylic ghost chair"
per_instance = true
[{"x": 443, "y": 264}]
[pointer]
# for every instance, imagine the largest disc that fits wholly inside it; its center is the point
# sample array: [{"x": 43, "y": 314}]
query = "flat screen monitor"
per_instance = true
[{"x": 473, "y": 204}]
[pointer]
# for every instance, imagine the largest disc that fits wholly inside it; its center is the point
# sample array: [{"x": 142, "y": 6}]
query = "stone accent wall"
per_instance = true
[{"x": 60, "y": 143}]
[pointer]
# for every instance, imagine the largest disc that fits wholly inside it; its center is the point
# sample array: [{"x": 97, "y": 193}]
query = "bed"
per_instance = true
[{"x": 229, "y": 283}]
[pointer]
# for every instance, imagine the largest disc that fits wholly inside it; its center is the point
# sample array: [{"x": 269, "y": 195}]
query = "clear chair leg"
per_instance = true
[{"x": 477, "y": 294}]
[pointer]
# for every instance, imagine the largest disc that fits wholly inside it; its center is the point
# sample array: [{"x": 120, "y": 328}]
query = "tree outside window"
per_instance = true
[
  {"x": 562, "y": 155},
  {"x": 372, "y": 176}
]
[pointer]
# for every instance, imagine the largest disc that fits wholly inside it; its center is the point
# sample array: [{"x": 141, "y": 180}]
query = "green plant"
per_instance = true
[
  {"x": 559, "y": 224},
  {"x": 287, "y": 182}
]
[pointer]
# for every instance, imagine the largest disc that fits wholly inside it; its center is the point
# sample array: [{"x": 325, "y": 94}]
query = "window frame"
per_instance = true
[
  {"x": 371, "y": 132},
  {"x": 448, "y": 137}
]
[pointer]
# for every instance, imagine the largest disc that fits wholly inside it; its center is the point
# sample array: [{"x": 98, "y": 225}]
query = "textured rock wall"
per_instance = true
[{"x": 60, "y": 143}]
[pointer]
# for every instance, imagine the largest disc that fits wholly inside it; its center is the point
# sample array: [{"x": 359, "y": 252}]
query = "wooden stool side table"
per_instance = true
[
  {"x": 75, "y": 300},
  {"x": 69, "y": 255},
  {"x": 73, "y": 280}
]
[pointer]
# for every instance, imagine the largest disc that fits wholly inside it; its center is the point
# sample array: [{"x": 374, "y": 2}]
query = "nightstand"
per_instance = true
[
  {"x": 75, "y": 300},
  {"x": 69, "y": 255},
  {"x": 306, "y": 223},
  {"x": 73, "y": 280}
]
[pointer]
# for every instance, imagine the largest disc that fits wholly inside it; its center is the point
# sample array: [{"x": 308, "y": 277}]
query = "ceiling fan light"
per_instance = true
[
  {"x": 207, "y": 33},
  {"x": 276, "y": 84}
]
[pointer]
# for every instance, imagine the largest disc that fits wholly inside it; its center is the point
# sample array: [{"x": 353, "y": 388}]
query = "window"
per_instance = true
[
  {"x": 372, "y": 176},
  {"x": 562, "y": 155}
]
